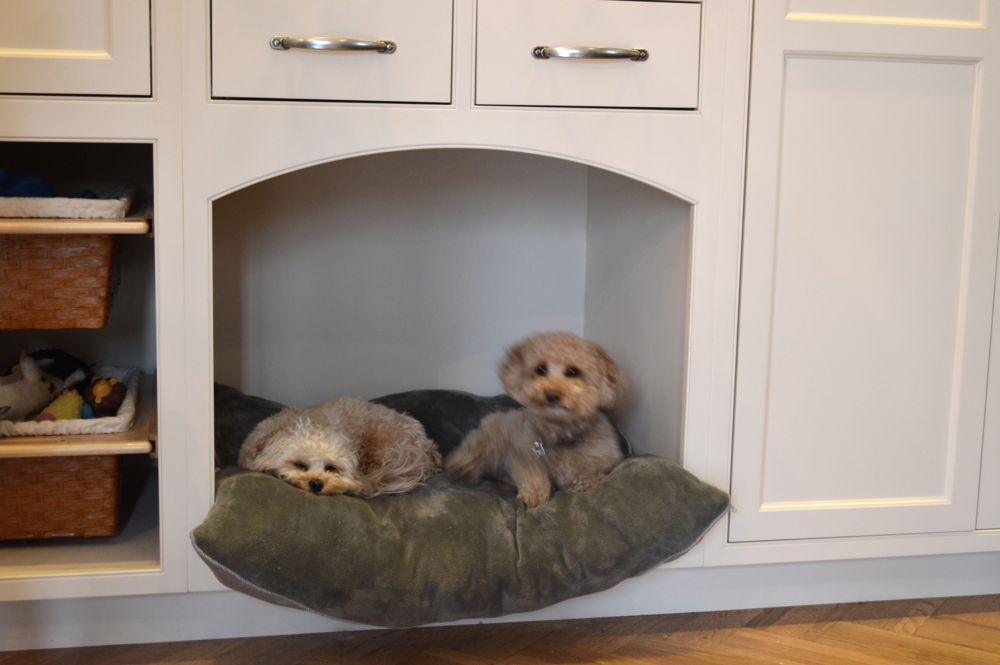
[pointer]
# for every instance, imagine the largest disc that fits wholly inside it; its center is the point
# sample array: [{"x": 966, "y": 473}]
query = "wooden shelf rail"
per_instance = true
[{"x": 138, "y": 222}]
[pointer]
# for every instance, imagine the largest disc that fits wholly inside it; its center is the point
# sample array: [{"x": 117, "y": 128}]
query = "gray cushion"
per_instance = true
[{"x": 447, "y": 551}]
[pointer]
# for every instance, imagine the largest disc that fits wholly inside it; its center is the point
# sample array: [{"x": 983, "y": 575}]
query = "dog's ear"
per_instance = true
[
  {"x": 511, "y": 368},
  {"x": 615, "y": 383},
  {"x": 254, "y": 450}
]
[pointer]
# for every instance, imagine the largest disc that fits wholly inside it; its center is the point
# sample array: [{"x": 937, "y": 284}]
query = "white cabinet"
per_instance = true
[
  {"x": 376, "y": 51},
  {"x": 988, "y": 516},
  {"x": 75, "y": 47},
  {"x": 65, "y": 138},
  {"x": 656, "y": 47},
  {"x": 372, "y": 222},
  {"x": 868, "y": 271}
]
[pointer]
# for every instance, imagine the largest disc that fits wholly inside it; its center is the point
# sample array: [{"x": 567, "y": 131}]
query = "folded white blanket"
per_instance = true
[{"x": 116, "y": 201}]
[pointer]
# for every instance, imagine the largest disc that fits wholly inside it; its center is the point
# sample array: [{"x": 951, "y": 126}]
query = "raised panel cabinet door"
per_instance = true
[
  {"x": 870, "y": 242},
  {"x": 75, "y": 47}
]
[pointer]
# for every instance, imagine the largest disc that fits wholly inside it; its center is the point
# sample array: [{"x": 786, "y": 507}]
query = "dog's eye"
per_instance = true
[
  {"x": 541, "y": 370},
  {"x": 331, "y": 469},
  {"x": 300, "y": 466},
  {"x": 572, "y": 372}
]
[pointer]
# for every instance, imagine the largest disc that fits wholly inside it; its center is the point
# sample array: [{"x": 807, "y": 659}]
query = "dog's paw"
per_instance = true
[{"x": 534, "y": 494}]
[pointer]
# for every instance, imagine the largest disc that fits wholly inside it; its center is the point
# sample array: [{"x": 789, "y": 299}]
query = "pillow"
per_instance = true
[
  {"x": 448, "y": 415},
  {"x": 447, "y": 551}
]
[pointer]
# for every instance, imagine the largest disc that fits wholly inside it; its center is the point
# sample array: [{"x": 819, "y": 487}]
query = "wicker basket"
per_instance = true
[
  {"x": 52, "y": 497},
  {"x": 57, "y": 281}
]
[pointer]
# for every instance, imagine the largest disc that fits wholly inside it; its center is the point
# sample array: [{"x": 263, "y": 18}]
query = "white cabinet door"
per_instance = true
[
  {"x": 75, "y": 47},
  {"x": 869, "y": 251}
]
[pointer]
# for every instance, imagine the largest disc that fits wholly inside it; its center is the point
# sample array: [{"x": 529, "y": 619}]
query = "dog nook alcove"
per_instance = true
[{"x": 416, "y": 269}]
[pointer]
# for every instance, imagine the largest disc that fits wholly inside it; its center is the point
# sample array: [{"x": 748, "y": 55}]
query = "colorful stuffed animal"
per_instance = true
[
  {"x": 104, "y": 395},
  {"x": 68, "y": 406}
]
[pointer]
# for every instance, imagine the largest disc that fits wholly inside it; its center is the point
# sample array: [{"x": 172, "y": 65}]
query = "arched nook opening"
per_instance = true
[{"x": 415, "y": 269}]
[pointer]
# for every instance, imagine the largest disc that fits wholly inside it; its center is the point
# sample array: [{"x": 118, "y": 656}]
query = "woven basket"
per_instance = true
[
  {"x": 57, "y": 281},
  {"x": 53, "y": 497}
]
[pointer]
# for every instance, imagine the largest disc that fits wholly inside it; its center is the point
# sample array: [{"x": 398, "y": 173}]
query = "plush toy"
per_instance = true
[
  {"x": 20, "y": 397},
  {"x": 68, "y": 406},
  {"x": 104, "y": 395}
]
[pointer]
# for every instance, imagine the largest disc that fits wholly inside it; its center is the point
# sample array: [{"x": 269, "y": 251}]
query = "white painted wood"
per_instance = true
[
  {"x": 988, "y": 515},
  {"x": 508, "y": 30},
  {"x": 158, "y": 122},
  {"x": 677, "y": 152},
  {"x": 869, "y": 252},
  {"x": 198, "y": 616},
  {"x": 75, "y": 47},
  {"x": 637, "y": 160},
  {"x": 244, "y": 66},
  {"x": 928, "y": 12},
  {"x": 637, "y": 236}
]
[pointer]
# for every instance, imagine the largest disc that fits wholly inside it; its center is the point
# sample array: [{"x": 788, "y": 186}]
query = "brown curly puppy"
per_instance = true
[
  {"x": 561, "y": 437},
  {"x": 342, "y": 446}
]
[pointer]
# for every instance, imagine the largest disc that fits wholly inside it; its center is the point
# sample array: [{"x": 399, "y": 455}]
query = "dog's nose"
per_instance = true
[
  {"x": 316, "y": 485},
  {"x": 552, "y": 398}
]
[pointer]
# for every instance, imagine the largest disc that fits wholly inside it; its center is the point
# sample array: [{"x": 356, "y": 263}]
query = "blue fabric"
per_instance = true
[{"x": 24, "y": 184}]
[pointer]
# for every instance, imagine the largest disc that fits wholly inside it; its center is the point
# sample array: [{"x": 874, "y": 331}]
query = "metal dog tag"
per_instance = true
[{"x": 539, "y": 449}]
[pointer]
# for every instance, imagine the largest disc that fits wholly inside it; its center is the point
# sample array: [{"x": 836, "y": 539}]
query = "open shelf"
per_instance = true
[
  {"x": 139, "y": 439},
  {"x": 128, "y": 340},
  {"x": 135, "y": 548}
]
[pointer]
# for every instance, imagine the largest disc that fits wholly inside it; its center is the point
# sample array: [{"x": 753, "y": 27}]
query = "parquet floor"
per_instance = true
[{"x": 937, "y": 631}]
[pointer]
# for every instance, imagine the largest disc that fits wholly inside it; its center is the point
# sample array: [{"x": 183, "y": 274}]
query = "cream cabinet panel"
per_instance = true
[
  {"x": 988, "y": 516},
  {"x": 508, "y": 72},
  {"x": 415, "y": 68},
  {"x": 75, "y": 47},
  {"x": 869, "y": 253},
  {"x": 934, "y": 12}
]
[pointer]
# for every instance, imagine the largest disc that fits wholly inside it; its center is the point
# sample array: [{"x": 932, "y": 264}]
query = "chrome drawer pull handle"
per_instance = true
[
  {"x": 600, "y": 52},
  {"x": 332, "y": 44}
]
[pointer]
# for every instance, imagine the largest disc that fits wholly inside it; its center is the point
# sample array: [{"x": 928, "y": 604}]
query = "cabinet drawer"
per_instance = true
[
  {"x": 507, "y": 72},
  {"x": 75, "y": 47},
  {"x": 246, "y": 66}
]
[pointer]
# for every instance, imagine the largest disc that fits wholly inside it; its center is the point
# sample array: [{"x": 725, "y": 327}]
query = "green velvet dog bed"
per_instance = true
[{"x": 445, "y": 551}]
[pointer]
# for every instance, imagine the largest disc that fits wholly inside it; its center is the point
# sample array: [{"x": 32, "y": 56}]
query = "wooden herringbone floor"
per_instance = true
[{"x": 960, "y": 631}]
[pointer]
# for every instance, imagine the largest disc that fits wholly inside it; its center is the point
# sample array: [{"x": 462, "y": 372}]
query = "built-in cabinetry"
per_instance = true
[
  {"x": 79, "y": 106},
  {"x": 126, "y": 338},
  {"x": 264, "y": 50},
  {"x": 869, "y": 254},
  {"x": 794, "y": 261},
  {"x": 76, "y": 47}
]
